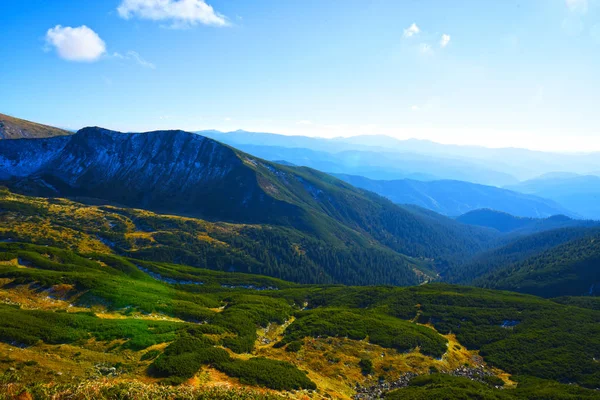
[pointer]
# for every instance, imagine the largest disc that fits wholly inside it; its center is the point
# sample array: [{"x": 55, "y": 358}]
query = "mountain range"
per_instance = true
[
  {"x": 497, "y": 165},
  {"x": 580, "y": 193},
  {"x": 455, "y": 198},
  {"x": 147, "y": 265},
  {"x": 186, "y": 174}
]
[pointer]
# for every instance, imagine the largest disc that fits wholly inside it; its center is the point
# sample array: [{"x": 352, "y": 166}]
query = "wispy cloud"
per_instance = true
[
  {"x": 181, "y": 13},
  {"x": 444, "y": 40},
  {"x": 579, "y": 6},
  {"x": 135, "y": 56},
  {"x": 411, "y": 31},
  {"x": 76, "y": 44},
  {"x": 304, "y": 122}
]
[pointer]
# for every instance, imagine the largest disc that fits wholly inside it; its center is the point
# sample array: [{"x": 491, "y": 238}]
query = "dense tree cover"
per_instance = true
[
  {"x": 571, "y": 269},
  {"x": 270, "y": 250},
  {"x": 512, "y": 250},
  {"x": 447, "y": 387}
]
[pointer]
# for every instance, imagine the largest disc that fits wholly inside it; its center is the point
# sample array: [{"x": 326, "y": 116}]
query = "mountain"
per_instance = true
[
  {"x": 579, "y": 193},
  {"x": 186, "y": 174},
  {"x": 521, "y": 164},
  {"x": 375, "y": 162},
  {"x": 570, "y": 269},
  {"x": 456, "y": 197},
  {"x": 14, "y": 128},
  {"x": 507, "y": 223}
]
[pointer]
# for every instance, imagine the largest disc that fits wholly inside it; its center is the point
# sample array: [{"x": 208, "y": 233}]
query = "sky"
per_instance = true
[{"x": 494, "y": 73}]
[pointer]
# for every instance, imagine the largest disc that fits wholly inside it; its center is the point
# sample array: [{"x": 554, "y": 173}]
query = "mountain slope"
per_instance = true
[
  {"x": 571, "y": 269},
  {"x": 264, "y": 249},
  {"x": 187, "y": 174},
  {"x": 15, "y": 128},
  {"x": 513, "y": 250},
  {"x": 456, "y": 197}
]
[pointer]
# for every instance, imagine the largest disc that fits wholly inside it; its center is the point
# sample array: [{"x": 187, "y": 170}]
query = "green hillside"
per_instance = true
[{"x": 570, "y": 269}]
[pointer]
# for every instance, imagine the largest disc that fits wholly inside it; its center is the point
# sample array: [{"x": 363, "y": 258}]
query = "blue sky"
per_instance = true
[{"x": 507, "y": 73}]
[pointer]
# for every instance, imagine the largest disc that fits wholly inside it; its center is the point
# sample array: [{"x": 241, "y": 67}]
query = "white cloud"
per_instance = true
[
  {"x": 304, "y": 122},
  {"x": 415, "y": 108},
  {"x": 180, "y": 12},
  {"x": 580, "y": 6},
  {"x": 411, "y": 31},
  {"x": 444, "y": 40},
  {"x": 76, "y": 44}
]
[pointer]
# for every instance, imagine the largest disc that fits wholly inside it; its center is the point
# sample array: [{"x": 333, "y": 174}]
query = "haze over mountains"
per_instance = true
[
  {"x": 506, "y": 163},
  {"x": 575, "y": 192},
  {"x": 454, "y": 198},
  {"x": 382, "y": 158}
]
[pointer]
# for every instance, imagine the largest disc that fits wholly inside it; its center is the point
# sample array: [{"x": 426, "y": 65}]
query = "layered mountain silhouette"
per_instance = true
[{"x": 455, "y": 198}]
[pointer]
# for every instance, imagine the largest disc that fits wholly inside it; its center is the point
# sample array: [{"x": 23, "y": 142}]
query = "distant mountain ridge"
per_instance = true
[
  {"x": 507, "y": 223},
  {"x": 375, "y": 162},
  {"x": 521, "y": 164},
  {"x": 455, "y": 198},
  {"x": 379, "y": 163},
  {"x": 15, "y": 128},
  {"x": 580, "y": 193}
]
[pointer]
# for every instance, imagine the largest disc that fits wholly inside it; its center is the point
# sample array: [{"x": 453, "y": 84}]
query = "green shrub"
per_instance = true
[
  {"x": 294, "y": 347},
  {"x": 366, "y": 366}
]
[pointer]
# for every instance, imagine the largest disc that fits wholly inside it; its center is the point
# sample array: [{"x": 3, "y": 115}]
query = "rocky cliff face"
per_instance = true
[{"x": 168, "y": 171}]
